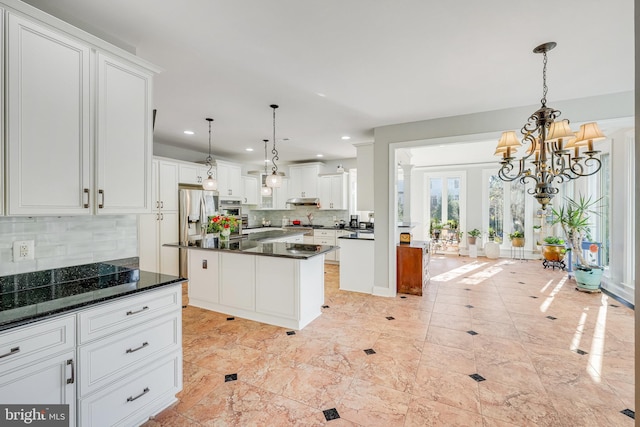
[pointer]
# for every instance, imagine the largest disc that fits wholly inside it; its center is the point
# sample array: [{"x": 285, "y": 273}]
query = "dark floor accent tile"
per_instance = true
[
  {"x": 581, "y": 352},
  {"x": 477, "y": 377},
  {"x": 533, "y": 296},
  {"x": 472, "y": 332},
  {"x": 614, "y": 305},
  {"x": 467, "y": 289},
  {"x": 370, "y": 351},
  {"x": 551, "y": 318},
  {"x": 390, "y": 318},
  {"x": 231, "y": 318},
  {"x": 629, "y": 413},
  {"x": 331, "y": 414},
  {"x": 521, "y": 283},
  {"x": 402, "y": 296},
  {"x": 325, "y": 306},
  {"x": 230, "y": 377},
  {"x": 513, "y": 272},
  {"x": 469, "y": 306},
  {"x": 291, "y": 332}
]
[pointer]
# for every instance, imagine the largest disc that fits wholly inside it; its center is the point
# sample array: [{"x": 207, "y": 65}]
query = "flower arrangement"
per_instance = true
[{"x": 219, "y": 223}]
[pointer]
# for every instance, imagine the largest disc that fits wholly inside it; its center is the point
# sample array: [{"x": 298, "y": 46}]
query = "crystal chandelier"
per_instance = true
[
  {"x": 275, "y": 179},
  {"x": 264, "y": 190},
  {"x": 554, "y": 150},
  {"x": 210, "y": 183}
]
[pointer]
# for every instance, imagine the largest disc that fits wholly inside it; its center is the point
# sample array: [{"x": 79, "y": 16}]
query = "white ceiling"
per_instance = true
[{"x": 375, "y": 62}]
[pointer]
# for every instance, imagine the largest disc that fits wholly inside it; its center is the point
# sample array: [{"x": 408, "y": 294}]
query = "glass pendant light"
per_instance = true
[
  {"x": 210, "y": 183},
  {"x": 264, "y": 190},
  {"x": 275, "y": 179}
]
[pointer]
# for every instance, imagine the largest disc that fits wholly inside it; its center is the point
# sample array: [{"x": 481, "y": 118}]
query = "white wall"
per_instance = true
[
  {"x": 67, "y": 241},
  {"x": 459, "y": 129}
]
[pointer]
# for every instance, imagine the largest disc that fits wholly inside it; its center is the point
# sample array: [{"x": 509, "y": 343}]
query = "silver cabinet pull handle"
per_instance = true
[
  {"x": 161, "y": 204},
  {"x": 129, "y": 313},
  {"x": 161, "y": 216},
  {"x": 101, "y": 204},
  {"x": 157, "y": 204},
  {"x": 157, "y": 217},
  {"x": 14, "y": 350},
  {"x": 73, "y": 372},
  {"x": 133, "y": 350},
  {"x": 145, "y": 391},
  {"x": 86, "y": 205}
]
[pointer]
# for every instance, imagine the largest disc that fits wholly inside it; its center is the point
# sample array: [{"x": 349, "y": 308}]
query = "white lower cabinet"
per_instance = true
[
  {"x": 38, "y": 364},
  {"x": 204, "y": 281},
  {"x": 130, "y": 401}
]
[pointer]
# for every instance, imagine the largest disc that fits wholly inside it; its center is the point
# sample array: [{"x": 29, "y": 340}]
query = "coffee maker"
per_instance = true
[{"x": 354, "y": 223}]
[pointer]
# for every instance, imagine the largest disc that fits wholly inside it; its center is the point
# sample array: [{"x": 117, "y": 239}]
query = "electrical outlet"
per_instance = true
[{"x": 23, "y": 250}]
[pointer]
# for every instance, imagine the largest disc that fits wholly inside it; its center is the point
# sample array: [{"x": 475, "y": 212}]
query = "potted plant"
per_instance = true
[
  {"x": 553, "y": 249},
  {"x": 473, "y": 235},
  {"x": 517, "y": 239},
  {"x": 574, "y": 217},
  {"x": 492, "y": 234},
  {"x": 436, "y": 228}
]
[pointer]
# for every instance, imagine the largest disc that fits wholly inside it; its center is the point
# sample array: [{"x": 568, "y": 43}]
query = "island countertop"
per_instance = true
[
  {"x": 255, "y": 247},
  {"x": 28, "y": 297}
]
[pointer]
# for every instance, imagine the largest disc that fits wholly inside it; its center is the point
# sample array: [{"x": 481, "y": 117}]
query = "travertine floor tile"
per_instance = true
[{"x": 485, "y": 317}]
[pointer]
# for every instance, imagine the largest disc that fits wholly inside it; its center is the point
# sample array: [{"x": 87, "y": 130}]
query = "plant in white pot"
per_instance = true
[{"x": 573, "y": 218}]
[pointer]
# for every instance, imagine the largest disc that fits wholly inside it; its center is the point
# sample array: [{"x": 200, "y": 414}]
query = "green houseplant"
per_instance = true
[
  {"x": 573, "y": 218},
  {"x": 553, "y": 248},
  {"x": 473, "y": 235},
  {"x": 517, "y": 239}
]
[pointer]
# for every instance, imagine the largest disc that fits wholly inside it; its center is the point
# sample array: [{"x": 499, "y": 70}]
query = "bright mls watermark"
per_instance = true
[{"x": 34, "y": 415}]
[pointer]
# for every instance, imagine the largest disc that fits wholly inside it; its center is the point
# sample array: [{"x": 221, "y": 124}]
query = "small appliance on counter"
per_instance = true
[{"x": 353, "y": 223}]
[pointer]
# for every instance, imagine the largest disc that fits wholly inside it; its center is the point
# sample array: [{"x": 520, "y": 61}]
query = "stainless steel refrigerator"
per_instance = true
[{"x": 195, "y": 206}]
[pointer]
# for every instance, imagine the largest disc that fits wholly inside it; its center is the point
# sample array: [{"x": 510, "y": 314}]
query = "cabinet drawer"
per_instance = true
[
  {"x": 324, "y": 241},
  {"x": 130, "y": 402},
  {"x": 119, "y": 315},
  {"x": 324, "y": 233},
  {"x": 104, "y": 361},
  {"x": 30, "y": 343}
]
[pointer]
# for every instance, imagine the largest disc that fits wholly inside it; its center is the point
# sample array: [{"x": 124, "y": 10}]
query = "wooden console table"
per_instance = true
[{"x": 412, "y": 269}]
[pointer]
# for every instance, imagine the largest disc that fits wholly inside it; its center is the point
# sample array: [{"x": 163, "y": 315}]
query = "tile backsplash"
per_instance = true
[
  {"x": 67, "y": 241},
  {"x": 320, "y": 217}
]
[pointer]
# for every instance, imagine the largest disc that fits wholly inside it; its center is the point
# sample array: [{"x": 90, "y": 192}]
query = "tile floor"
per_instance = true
[{"x": 491, "y": 343}]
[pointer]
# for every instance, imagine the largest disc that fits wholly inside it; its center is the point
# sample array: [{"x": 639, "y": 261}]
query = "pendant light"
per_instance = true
[
  {"x": 264, "y": 190},
  {"x": 274, "y": 180},
  {"x": 210, "y": 183}
]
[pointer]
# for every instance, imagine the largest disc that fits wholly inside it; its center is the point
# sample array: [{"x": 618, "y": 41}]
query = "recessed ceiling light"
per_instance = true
[
  {"x": 248, "y": 149},
  {"x": 321, "y": 94},
  {"x": 188, "y": 132},
  {"x": 441, "y": 145},
  {"x": 319, "y": 155},
  {"x": 346, "y": 137}
]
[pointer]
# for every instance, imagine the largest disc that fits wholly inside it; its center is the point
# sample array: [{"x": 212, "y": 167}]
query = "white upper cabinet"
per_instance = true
[
  {"x": 124, "y": 142},
  {"x": 229, "y": 181},
  {"x": 194, "y": 173},
  {"x": 250, "y": 190},
  {"x": 48, "y": 127},
  {"x": 304, "y": 180},
  {"x": 77, "y": 122},
  {"x": 167, "y": 193},
  {"x": 333, "y": 191}
]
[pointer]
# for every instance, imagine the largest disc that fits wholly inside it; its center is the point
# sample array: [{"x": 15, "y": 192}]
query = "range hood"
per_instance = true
[{"x": 304, "y": 201}]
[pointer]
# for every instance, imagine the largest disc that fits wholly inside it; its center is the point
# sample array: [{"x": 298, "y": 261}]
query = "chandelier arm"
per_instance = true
[
  {"x": 579, "y": 169},
  {"x": 505, "y": 172}
]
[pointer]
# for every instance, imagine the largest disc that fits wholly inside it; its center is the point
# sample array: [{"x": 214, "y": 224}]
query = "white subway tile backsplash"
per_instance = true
[{"x": 67, "y": 241}]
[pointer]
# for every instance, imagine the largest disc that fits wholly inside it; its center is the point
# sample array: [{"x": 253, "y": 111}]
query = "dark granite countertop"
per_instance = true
[
  {"x": 256, "y": 247},
  {"x": 359, "y": 235},
  {"x": 29, "y": 297},
  {"x": 265, "y": 236}
]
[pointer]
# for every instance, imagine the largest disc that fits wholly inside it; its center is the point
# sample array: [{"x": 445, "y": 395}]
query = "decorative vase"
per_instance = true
[
  {"x": 492, "y": 250},
  {"x": 553, "y": 253},
  {"x": 225, "y": 233}
]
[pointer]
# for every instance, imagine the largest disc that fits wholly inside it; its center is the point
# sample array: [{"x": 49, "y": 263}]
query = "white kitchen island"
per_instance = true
[{"x": 277, "y": 283}]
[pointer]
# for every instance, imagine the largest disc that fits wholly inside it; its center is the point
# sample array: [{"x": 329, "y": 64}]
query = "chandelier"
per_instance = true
[
  {"x": 264, "y": 190},
  {"x": 210, "y": 183},
  {"x": 554, "y": 153},
  {"x": 275, "y": 179}
]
